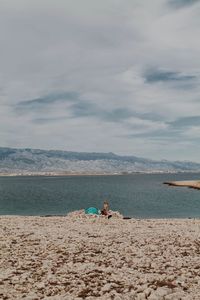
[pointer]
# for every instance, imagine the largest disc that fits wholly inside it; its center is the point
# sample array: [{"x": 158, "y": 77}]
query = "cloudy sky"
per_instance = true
[{"x": 109, "y": 75}]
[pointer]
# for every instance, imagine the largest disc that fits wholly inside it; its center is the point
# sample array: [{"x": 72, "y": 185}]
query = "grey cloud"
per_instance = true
[
  {"x": 155, "y": 135},
  {"x": 174, "y": 130},
  {"x": 79, "y": 108},
  {"x": 117, "y": 115},
  {"x": 48, "y": 99},
  {"x": 42, "y": 103},
  {"x": 158, "y": 75},
  {"x": 47, "y": 120},
  {"x": 84, "y": 109},
  {"x": 171, "y": 135},
  {"x": 182, "y": 3},
  {"x": 149, "y": 116},
  {"x": 182, "y": 123}
]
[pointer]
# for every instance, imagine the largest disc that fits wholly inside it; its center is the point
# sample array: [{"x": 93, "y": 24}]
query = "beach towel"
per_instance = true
[{"x": 92, "y": 211}]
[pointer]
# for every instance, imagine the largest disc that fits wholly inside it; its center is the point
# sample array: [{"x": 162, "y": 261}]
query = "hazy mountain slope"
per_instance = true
[{"x": 34, "y": 160}]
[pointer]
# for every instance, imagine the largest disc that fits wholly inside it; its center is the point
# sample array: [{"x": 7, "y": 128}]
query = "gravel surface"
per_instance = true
[{"x": 86, "y": 257}]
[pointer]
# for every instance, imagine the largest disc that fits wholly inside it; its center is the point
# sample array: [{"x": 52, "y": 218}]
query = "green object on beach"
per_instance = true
[{"x": 92, "y": 211}]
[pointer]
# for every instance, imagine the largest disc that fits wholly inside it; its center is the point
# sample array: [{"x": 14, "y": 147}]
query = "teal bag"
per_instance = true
[{"x": 92, "y": 211}]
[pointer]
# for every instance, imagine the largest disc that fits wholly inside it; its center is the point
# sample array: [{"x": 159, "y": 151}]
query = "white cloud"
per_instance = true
[{"x": 101, "y": 51}]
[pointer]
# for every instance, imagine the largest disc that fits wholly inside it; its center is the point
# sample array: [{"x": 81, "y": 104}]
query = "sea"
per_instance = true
[{"x": 136, "y": 195}]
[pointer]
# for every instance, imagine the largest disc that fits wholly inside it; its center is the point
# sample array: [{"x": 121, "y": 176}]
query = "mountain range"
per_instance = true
[{"x": 55, "y": 162}]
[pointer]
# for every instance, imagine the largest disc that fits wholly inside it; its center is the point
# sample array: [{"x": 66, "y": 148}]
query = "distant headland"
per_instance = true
[{"x": 194, "y": 184}]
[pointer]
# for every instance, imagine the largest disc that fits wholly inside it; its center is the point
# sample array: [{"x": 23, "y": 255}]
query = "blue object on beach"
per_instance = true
[{"x": 92, "y": 211}]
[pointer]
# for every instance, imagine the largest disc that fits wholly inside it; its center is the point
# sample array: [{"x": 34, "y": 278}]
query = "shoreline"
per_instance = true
[
  {"x": 123, "y": 217},
  {"x": 84, "y": 257},
  {"x": 46, "y": 174},
  {"x": 49, "y": 174},
  {"x": 194, "y": 184}
]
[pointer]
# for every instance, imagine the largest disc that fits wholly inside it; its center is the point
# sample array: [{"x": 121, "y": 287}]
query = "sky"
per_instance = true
[{"x": 118, "y": 76}]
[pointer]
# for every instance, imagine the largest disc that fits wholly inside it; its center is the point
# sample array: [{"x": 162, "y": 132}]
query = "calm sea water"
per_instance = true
[{"x": 139, "y": 195}]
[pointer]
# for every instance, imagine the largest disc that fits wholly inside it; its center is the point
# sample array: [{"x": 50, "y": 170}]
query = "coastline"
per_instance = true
[
  {"x": 47, "y": 174},
  {"x": 194, "y": 184},
  {"x": 85, "y": 257},
  {"x": 63, "y": 174}
]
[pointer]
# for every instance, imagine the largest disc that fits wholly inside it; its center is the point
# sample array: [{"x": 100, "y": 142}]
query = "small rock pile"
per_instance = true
[{"x": 80, "y": 214}]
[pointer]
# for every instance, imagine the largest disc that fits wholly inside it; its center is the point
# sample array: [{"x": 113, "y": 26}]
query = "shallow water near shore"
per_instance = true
[{"x": 138, "y": 195}]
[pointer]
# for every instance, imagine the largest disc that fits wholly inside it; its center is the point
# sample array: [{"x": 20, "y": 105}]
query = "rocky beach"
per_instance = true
[{"x": 87, "y": 257}]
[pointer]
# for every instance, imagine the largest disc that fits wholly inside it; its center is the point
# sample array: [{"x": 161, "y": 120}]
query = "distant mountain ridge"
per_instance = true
[{"x": 36, "y": 161}]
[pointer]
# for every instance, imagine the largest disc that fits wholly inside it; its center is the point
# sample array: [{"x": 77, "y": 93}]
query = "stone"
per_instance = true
[
  {"x": 40, "y": 286},
  {"x": 154, "y": 297},
  {"x": 141, "y": 296},
  {"x": 31, "y": 296},
  {"x": 107, "y": 287},
  {"x": 148, "y": 291},
  {"x": 163, "y": 291}
]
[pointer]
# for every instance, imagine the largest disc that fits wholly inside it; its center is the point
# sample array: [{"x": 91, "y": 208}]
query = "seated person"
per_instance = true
[{"x": 105, "y": 210}]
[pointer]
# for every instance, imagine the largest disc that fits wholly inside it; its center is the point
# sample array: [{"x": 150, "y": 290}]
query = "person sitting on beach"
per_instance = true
[{"x": 105, "y": 210}]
